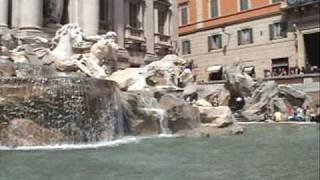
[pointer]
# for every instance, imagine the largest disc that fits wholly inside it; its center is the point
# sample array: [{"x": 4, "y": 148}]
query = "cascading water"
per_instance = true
[
  {"x": 157, "y": 114},
  {"x": 82, "y": 110},
  {"x": 161, "y": 119}
]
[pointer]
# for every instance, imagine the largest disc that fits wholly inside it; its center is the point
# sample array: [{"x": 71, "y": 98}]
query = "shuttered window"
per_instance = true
[
  {"x": 275, "y": 1},
  {"x": 245, "y": 36},
  {"x": 244, "y": 5},
  {"x": 214, "y": 8},
  {"x": 214, "y": 42},
  {"x": 184, "y": 15},
  {"x": 186, "y": 47},
  {"x": 278, "y": 30}
]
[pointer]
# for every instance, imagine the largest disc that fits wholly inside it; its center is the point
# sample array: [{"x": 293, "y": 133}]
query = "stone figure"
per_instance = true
[
  {"x": 62, "y": 44},
  {"x": 70, "y": 36},
  {"x": 106, "y": 51}
]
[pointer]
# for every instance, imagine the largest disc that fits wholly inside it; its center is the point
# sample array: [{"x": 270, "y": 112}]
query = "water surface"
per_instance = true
[{"x": 265, "y": 152}]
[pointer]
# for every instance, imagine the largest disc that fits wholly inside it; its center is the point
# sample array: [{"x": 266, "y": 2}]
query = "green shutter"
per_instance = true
[
  {"x": 220, "y": 41},
  {"x": 184, "y": 16},
  {"x": 244, "y": 5},
  {"x": 251, "y": 35},
  {"x": 284, "y": 29},
  {"x": 209, "y": 43},
  {"x": 271, "y": 31},
  {"x": 189, "y": 47},
  {"x": 214, "y": 8},
  {"x": 239, "y": 37}
]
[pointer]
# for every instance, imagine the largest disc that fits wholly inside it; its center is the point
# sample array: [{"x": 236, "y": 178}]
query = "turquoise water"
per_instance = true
[{"x": 265, "y": 152}]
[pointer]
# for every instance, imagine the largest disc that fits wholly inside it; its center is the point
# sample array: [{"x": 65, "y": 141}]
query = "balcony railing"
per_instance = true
[
  {"x": 162, "y": 39},
  {"x": 134, "y": 34}
]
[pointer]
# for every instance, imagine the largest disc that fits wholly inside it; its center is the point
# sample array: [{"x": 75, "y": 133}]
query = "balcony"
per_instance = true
[
  {"x": 135, "y": 34},
  {"x": 288, "y": 4},
  {"x": 134, "y": 39},
  {"x": 162, "y": 40}
]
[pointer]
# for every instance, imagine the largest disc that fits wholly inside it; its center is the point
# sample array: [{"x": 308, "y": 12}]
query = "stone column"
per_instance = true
[
  {"x": 74, "y": 11},
  {"x": 86, "y": 14},
  {"x": 4, "y": 5},
  {"x": 28, "y": 14},
  {"x": 301, "y": 50},
  {"x": 90, "y": 17},
  {"x": 167, "y": 23},
  {"x": 155, "y": 20},
  {"x": 149, "y": 26},
  {"x": 174, "y": 23},
  {"x": 119, "y": 21}
]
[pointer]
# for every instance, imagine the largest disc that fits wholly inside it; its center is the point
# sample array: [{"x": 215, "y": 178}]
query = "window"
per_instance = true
[
  {"x": 278, "y": 30},
  {"x": 280, "y": 67},
  {"x": 134, "y": 9},
  {"x": 162, "y": 15},
  {"x": 275, "y": 1},
  {"x": 214, "y": 8},
  {"x": 184, "y": 15},
  {"x": 215, "y": 42},
  {"x": 186, "y": 47},
  {"x": 104, "y": 15},
  {"x": 244, "y": 5},
  {"x": 245, "y": 36}
]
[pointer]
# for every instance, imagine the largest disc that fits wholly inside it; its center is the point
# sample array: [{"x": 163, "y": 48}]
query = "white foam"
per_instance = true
[{"x": 125, "y": 140}]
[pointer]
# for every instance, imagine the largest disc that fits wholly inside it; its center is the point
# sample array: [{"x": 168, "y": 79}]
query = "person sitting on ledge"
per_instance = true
[{"x": 297, "y": 115}]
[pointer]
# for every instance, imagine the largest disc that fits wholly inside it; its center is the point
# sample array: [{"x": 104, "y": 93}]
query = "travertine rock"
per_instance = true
[{"x": 221, "y": 115}]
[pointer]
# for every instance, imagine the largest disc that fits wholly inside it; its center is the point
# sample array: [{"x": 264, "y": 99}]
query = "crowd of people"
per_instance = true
[
  {"x": 297, "y": 114},
  {"x": 282, "y": 71}
]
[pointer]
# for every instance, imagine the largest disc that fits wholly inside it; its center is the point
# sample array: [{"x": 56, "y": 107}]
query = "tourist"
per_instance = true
[
  {"x": 307, "y": 114},
  {"x": 283, "y": 72},
  {"x": 303, "y": 70},
  {"x": 277, "y": 116},
  {"x": 297, "y": 115},
  {"x": 298, "y": 71},
  {"x": 316, "y": 116}
]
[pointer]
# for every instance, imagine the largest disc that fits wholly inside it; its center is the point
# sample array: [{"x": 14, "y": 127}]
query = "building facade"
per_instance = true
[
  {"x": 147, "y": 29},
  {"x": 265, "y": 36}
]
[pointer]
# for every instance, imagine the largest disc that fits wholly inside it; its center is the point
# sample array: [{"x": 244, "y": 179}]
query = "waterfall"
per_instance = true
[
  {"x": 83, "y": 110},
  {"x": 161, "y": 118}
]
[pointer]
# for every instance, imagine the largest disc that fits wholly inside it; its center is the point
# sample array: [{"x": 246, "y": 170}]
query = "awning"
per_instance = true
[
  {"x": 280, "y": 65},
  {"x": 248, "y": 69},
  {"x": 214, "y": 69}
]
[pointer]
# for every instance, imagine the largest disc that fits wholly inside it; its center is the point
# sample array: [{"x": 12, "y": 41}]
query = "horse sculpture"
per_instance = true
[{"x": 71, "y": 35}]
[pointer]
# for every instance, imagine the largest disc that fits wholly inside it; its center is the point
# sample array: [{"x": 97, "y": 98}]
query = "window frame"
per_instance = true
[
  {"x": 188, "y": 50},
  {"x": 210, "y": 42},
  {"x": 283, "y": 29},
  {"x": 271, "y": 1},
  {"x": 218, "y": 9},
  {"x": 250, "y": 35},
  {"x": 239, "y": 5},
  {"x": 181, "y": 7}
]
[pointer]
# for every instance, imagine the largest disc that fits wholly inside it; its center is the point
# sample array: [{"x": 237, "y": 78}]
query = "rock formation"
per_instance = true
[
  {"x": 169, "y": 72},
  {"x": 261, "y": 98}
]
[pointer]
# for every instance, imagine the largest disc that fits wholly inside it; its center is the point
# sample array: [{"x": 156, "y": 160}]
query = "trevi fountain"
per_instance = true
[{"x": 67, "y": 113}]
